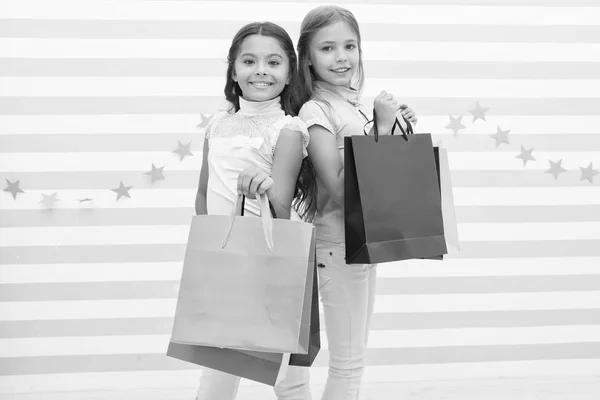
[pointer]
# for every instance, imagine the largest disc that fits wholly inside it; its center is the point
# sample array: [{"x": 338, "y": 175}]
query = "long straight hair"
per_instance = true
[
  {"x": 317, "y": 19},
  {"x": 305, "y": 192}
]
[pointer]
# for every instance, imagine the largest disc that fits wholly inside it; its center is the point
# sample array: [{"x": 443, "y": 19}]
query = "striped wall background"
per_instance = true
[{"x": 92, "y": 93}]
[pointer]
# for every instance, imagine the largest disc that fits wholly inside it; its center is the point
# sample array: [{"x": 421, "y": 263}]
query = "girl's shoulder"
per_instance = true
[
  {"x": 291, "y": 123},
  {"x": 213, "y": 120},
  {"x": 318, "y": 112},
  {"x": 294, "y": 124}
]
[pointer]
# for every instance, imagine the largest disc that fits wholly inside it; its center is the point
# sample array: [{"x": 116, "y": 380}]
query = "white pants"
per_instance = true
[{"x": 347, "y": 298}]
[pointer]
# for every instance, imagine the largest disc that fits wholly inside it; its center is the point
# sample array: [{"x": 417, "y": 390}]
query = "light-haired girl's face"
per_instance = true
[
  {"x": 261, "y": 68},
  {"x": 333, "y": 54}
]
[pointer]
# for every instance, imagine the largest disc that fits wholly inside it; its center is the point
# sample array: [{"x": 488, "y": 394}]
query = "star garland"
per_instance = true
[
  {"x": 155, "y": 174},
  {"x": 502, "y": 137}
]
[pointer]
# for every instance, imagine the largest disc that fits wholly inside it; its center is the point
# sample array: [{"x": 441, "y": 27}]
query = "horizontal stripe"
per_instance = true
[
  {"x": 178, "y": 234},
  {"x": 187, "y": 124},
  {"x": 142, "y": 161},
  {"x": 31, "y": 28},
  {"x": 99, "y": 180},
  {"x": 80, "y": 181},
  {"x": 408, "y": 269},
  {"x": 424, "y": 303},
  {"x": 192, "y": 104},
  {"x": 380, "y": 321},
  {"x": 570, "y": 3},
  {"x": 182, "y": 216},
  {"x": 500, "y": 267},
  {"x": 169, "y": 288},
  {"x": 57, "y": 143},
  {"x": 529, "y": 3},
  {"x": 379, "y": 13},
  {"x": 169, "y": 198},
  {"x": 177, "y": 379},
  {"x": 217, "y": 67},
  {"x": 175, "y": 252},
  {"x": 217, "y": 48},
  {"x": 213, "y": 86},
  {"x": 379, "y": 339},
  {"x": 403, "y": 356}
]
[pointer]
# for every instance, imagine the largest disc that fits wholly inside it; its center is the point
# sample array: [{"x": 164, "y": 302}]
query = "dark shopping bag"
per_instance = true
[
  {"x": 267, "y": 368},
  {"x": 314, "y": 328},
  {"x": 392, "y": 198}
]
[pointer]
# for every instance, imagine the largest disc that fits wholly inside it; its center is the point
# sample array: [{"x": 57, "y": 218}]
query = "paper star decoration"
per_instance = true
[
  {"x": 588, "y": 173},
  {"x": 156, "y": 174},
  {"x": 455, "y": 124},
  {"x": 205, "y": 121},
  {"x": 13, "y": 188},
  {"x": 526, "y": 155},
  {"x": 49, "y": 200},
  {"x": 183, "y": 150},
  {"x": 556, "y": 168},
  {"x": 479, "y": 112},
  {"x": 122, "y": 190},
  {"x": 501, "y": 136}
]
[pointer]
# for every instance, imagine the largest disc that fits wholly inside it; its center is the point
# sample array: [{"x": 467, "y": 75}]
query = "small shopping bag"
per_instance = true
[
  {"x": 244, "y": 283},
  {"x": 448, "y": 209},
  {"x": 392, "y": 198}
]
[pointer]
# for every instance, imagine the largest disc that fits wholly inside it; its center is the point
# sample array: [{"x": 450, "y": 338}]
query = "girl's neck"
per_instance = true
[
  {"x": 344, "y": 91},
  {"x": 260, "y": 107}
]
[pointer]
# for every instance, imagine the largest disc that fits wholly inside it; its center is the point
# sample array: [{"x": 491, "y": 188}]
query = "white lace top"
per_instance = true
[{"x": 241, "y": 140}]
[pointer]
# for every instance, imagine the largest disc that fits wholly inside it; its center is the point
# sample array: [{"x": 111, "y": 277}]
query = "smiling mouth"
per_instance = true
[
  {"x": 341, "y": 70},
  {"x": 261, "y": 85}
]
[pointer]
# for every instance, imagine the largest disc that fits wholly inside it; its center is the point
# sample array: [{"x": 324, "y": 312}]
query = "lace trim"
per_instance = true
[
  {"x": 210, "y": 126},
  {"x": 267, "y": 127},
  {"x": 319, "y": 121},
  {"x": 297, "y": 125}
]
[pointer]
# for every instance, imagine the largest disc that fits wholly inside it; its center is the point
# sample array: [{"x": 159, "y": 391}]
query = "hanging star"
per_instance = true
[
  {"x": 455, "y": 124},
  {"x": 183, "y": 150},
  {"x": 13, "y": 188},
  {"x": 49, "y": 200},
  {"x": 588, "y": 173},
  {"x": 479, "y": 112},
  {"x": 156, "y": 174},
  {"x": 84, "y": 200},
  {"x": 205, "y": 121},
  {"x": 556, "y": 168},
  {"x": 501, "y": 136},
  {"x": 122, "y": 190},
  {"x": 526, "y": 155}
]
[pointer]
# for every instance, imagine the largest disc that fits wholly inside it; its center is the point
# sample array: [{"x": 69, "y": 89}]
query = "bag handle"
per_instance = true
[
  {"x": 267, "y": 213},
  {"x": 409, "y": 128}
]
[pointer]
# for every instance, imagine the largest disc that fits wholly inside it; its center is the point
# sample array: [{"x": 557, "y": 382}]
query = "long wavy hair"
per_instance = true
[
  {"x": 305, "y": 192},
  {"x": 317, "y": 19}
]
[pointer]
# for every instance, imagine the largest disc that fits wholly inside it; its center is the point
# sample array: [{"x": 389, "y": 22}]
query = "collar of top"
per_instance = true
[
  {"x": 351, "y": 95},
  {"x": 260, "y": 107}
]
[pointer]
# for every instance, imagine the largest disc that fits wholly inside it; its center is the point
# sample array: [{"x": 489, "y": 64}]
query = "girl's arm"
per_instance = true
[
  {"x": 280, "y": 186},
  {"x": 203, "y": 184},
  {"x": 325, "y": 156},
  {"x": 287, "y": 161}
]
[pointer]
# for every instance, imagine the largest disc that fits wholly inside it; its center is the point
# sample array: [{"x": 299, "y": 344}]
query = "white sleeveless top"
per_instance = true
[{"x": 241, "y": 140}]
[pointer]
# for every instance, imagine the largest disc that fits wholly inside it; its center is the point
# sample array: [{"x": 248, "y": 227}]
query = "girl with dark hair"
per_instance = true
[{"x": 258, "y": 146}]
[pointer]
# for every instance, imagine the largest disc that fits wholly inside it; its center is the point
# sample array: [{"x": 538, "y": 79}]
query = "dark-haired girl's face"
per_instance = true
[
  {"x": 333, "y": 54},
  {"x": 261, "y": 68}
]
